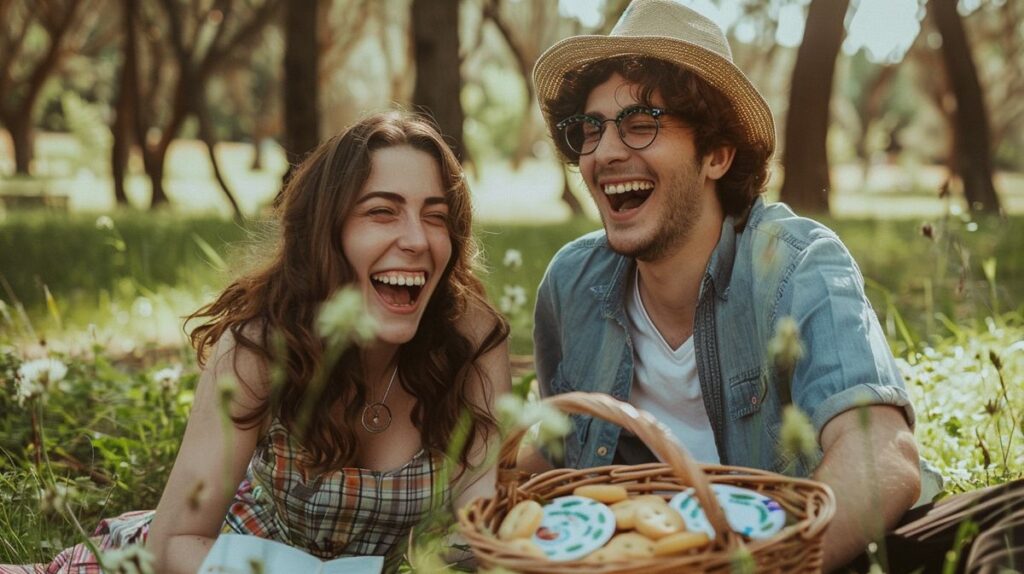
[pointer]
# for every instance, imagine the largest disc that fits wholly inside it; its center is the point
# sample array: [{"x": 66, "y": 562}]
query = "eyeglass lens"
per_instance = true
[{"x": 637, "y": 129}]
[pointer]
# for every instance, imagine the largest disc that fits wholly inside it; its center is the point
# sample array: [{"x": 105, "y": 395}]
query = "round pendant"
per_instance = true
[{"x": 376, "y": 418}]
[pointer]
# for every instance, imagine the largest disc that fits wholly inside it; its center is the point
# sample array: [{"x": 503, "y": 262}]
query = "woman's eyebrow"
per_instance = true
[
  {"x": 399, "y": 198},
  {"x": 385, "y": 195}
]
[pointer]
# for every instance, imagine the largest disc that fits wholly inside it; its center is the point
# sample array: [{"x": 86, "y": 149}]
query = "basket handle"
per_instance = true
[{"x": 655, "y": 435}]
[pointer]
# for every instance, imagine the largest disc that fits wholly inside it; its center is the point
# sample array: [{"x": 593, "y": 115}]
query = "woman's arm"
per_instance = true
[
  {"x": 490, "y": 380},
  {"x": 212, "y": 459}
]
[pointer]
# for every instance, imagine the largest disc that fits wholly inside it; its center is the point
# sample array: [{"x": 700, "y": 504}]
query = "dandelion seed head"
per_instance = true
[
  {"x": 343, "y": 318},
  {"x": 513, "y": 259},
  {"x": 54, "y": 498},
  {"x": 132, "y": 559},
  {"x": 167, "y": 378},
  {"x": 798, "y": 438},
  {"x": 785, "y": 348},
  {"x": 742, "y": 561},
  {"x": 36, "y": 377},
  {"x": 142, "y": 307},
  {"x": 513, "y": 299},
  {"x": 517, "y": 413},
  {"x": 104, "y": 222}
]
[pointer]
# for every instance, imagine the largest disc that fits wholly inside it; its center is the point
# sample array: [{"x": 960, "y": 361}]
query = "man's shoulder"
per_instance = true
[
  {"x": 588, "y": 250},
  {"x": 778, "y": 225}
]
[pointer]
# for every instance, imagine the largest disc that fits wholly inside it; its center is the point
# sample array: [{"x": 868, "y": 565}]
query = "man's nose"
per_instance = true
[{"x": 610, "y": 146}]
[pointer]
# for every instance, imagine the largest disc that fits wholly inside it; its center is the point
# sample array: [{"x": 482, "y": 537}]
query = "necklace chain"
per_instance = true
[
  {"x": 376, "y": 416},
  {"x": 384, "y": 399}
]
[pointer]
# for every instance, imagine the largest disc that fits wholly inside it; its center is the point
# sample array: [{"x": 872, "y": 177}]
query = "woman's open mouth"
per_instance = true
[
  {"x": 628, "y": 194},
  {"x": 399, "y": 288}
]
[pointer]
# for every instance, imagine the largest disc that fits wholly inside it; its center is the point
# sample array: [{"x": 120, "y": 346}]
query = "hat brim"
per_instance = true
[{"x": 572, "y": 53}]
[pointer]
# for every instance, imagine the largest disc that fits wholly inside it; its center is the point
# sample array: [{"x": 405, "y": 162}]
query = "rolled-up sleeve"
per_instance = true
[{"x": 847, "y": 361}]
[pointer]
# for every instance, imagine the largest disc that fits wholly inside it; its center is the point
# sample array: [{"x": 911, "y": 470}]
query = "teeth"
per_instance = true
[
  {"x": 401, "y": 279},
  {"x": 617, "y": 188}
]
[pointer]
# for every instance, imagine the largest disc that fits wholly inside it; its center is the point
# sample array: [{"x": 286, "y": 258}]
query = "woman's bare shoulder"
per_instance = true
[{"x": 235, "y": 359}]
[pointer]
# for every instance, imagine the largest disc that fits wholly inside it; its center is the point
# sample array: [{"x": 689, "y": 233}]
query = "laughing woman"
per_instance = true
[
  {"x": 383, "y": 208},
  {"x": 347, "y": 467}
]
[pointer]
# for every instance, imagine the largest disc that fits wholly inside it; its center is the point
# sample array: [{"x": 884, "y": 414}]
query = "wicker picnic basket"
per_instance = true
[{"x": 796, "y": 548}]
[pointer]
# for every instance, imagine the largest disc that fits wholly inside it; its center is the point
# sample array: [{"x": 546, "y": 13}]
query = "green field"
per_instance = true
[{"x": 106, "y": 298}]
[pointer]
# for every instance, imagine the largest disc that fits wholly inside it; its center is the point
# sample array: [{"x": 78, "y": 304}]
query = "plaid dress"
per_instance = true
[{"x": 343, "y": 512}]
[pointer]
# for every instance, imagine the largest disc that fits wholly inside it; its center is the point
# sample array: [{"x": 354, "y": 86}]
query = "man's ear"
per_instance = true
[{"x": 718, "y": 162}]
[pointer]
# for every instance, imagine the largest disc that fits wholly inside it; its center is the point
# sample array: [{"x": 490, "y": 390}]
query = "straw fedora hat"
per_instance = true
[{"x": 666, "y": 30}]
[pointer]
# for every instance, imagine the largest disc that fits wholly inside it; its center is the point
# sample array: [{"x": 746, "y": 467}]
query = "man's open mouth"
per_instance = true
[
  {"x": 628, "y": 194},
  {"x": 399, "y": 288}
]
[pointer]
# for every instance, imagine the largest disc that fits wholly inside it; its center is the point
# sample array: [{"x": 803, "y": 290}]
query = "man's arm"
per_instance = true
[{"x": 871, "y": 463}]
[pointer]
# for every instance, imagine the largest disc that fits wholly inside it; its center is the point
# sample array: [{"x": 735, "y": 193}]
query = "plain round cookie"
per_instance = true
[
  {"x": 634, "y": 545},
  {"x": 606, "y": 493},
  {"x": 680, "y": 542},
  {"x": 522, "y": 521},
  {"x": 657, "y": 521}
]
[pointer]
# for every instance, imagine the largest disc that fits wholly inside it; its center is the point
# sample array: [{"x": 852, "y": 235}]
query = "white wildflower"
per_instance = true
[
  {"x": 343, "y": 318},
  {"x": 513, "y": 300},
  {"x": 132, "y": 559},
  {"x": 167, "y": 378},
  {"x": 104, "y": 222},
  {"x": 142, "y": 307},
  {"x": 513, "y": 259},
  {"x": 34, "y": 377},
  {"x": 55, "y": 497},
  {"x": 517, "y": 413}
]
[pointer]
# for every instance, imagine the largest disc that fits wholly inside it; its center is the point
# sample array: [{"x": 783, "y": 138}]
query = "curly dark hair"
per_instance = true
[
  {"x": 687, "y": 96},
  {"x": 272, "y": 310}
]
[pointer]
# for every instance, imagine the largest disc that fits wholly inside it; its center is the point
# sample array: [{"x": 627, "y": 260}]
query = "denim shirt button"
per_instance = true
[
  {"x": 753, "y": 400},
  {"x": 602, "y": 451}
]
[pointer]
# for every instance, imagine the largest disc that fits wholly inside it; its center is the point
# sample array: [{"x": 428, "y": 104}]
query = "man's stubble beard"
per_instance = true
[{"x": 684, "y": 209}]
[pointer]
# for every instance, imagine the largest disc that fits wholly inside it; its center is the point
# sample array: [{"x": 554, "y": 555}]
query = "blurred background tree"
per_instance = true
[{"x": 887, "y": 90}]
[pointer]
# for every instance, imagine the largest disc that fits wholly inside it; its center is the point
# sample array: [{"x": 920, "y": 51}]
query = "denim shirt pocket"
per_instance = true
[
  {"x": 577, "y": 437},
  {"x": 755, "y": 416}
]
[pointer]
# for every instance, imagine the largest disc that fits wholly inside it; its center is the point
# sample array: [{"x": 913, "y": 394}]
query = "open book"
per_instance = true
[{"x": 242, "y": 554}]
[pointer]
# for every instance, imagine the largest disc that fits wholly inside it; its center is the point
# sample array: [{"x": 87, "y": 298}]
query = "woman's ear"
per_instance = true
[{"x": 718, "y": 162}]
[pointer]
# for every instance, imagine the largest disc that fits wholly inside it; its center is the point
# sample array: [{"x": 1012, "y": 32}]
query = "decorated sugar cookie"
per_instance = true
[
  {"x": 749, "y": 513},
  {"x": 574, "y": 526}
]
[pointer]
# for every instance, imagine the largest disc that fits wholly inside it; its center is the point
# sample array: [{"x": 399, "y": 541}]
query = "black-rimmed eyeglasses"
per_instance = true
[{"x": 637, "y": 127}]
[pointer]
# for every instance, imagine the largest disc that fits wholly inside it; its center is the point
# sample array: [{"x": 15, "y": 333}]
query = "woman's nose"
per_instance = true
[{"x": 413, "y": 237}]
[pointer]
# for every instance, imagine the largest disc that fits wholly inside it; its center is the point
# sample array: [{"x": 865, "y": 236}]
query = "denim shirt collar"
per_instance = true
[{"x": 721, "y": 262}]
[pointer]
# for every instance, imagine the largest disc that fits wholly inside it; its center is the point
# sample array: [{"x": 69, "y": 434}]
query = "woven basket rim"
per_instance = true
[{"x": 810, "y": 503}]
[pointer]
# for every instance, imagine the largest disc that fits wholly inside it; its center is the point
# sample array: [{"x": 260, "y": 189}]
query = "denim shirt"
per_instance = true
[{"x": 777, "y": 265}]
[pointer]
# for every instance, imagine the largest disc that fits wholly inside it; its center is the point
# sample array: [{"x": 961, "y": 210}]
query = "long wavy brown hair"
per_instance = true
[
  {"x": 272, "y": 310},
  {"x": 704, "y": 108}
]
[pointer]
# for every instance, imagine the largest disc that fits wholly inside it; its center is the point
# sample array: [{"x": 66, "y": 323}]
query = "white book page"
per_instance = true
[
  {"x": 237, "y": 553},
  {"x": 355, "y": 565}
]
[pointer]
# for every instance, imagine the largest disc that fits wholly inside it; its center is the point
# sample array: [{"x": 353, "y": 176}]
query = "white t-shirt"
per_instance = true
[{"x": 665, "y": 382}]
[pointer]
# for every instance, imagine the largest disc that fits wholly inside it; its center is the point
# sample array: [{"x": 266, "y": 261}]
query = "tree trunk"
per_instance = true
[
  {"x": 124, "y": 109},
  {"x": 207, "y": 136},
  {"x": 807, "y": 184},
  {"x": 435, "y": 30},
  {"x": 575, "y": 207},
  {"x": 301, "y": 114},
  {"x": 20, "y": 128},
  {"x": 970, "y": 120},
  {"x": 153, "y": 160}
]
